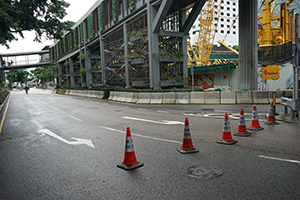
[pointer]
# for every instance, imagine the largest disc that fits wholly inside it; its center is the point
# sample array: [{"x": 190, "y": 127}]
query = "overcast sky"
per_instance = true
[{"x": 75, "y": 11}]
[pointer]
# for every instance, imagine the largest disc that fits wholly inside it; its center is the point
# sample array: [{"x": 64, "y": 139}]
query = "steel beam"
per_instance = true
[
  {"x": 13, "y": 67},
  {"x": 23, "y": 53},
  {"x": 161, "y": 14},
  {"x": 192, "y": 17}
]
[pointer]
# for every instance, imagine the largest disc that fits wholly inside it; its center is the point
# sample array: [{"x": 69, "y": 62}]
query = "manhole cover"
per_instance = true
[{"x": 204, "y": 172}]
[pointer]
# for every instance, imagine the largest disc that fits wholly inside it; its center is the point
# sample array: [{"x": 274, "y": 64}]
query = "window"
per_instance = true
[
  {"x": 228, "y": 8},
  {"x": 233, "y": 32},
  {"x": 222, "y": 13},
  {"x": 222, "y": 19},
  {"x": 233, "y": 9},
  {"x": 228, "y": 14},
  {"x": 222, "y": 25},
  {"x": 228, "y": 2},
  {"x": 228, "y": 32},
  {"x": 228, "y": 26},
  {"x": 222, "y": 31},
  {"x": 228, "y": 20},
  {"x": 233, "y": 3}
]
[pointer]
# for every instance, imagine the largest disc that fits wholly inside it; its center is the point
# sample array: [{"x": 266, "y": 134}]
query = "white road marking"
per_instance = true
[
  {"x": 44, "y": 103},
  {"x": 78, "y": 140},
  {"x": 139, "y": 135},
  {"x": 74, "y": 117},
  {"x": 161, "y": 111},
  {"x": 54, "y": 108},
  {"x": 166, "y": 122},
  {"x": 280, "y": 159}
]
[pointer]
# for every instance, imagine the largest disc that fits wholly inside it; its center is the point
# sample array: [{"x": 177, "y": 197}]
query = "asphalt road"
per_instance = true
[{"x": 63, "y": 147}]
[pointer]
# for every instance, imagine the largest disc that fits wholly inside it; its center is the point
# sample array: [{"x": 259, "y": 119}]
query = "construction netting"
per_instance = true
[{"x": 276, "y": 54}]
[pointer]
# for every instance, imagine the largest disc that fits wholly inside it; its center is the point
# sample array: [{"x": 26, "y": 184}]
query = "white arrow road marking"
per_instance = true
[
  {"x": 157, "y": 122},
  {"x": 79, "y": 140}
]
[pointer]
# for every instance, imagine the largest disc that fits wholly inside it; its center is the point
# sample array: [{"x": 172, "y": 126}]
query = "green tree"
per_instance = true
[
  {"x": 18, "y": 75},
  {"x": 44, "y": 74},
  {"x": 42, "y": 16}
]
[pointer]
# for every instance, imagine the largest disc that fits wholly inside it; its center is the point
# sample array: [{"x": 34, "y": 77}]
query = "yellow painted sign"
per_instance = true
[{"x": 270, "y": 72}]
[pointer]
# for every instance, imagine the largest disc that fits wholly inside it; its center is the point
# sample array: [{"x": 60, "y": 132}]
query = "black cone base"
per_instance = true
[
  {"x": 130, "y": 167},
  {"x": 187, "y": 151},
  {"x": 227, "y": 142}
]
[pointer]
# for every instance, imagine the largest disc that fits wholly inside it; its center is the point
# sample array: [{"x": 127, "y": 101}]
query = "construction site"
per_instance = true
[
  {"x": 154, "y": 45},
  {"x": 127, "y": 54}
]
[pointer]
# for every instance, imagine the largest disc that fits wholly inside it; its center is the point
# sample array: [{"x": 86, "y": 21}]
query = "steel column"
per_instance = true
[
  {"x": 247, "y": 71},
  {"x": 59, "y": 71},
  {"x": 153, "y": 47},
  {"x": 126, "y": 54},
  {"x": 71, "y": 64},
  {"x": 87, "y": 60},
  {"x": 102, "y": 57}
]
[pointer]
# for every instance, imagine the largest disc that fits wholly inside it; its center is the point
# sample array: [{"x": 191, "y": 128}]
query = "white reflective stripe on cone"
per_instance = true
[
  {"x": 187, "y": 133},
  {"x": 129, "y": 145}
]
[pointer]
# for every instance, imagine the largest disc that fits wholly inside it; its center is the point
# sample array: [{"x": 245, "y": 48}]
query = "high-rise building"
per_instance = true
[{"x": 227, "y": 24}]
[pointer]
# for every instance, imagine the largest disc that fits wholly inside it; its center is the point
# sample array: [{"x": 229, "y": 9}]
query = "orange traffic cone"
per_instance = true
[
  {"x": 130, "y": 161},
  {"x": 255, "y": 123},
  {"x": 242, "y": 130},
  {"x": 187, "y": 144},
  {"x": 271, "y": 117},
  {"x": 226, "y": 138}
]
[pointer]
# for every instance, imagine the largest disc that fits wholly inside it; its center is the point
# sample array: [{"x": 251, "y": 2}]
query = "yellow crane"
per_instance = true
[
  {"x": 275, "y": 29},
  {"x": 276, "y": 24},
  {"x": 209, "y": 17}
]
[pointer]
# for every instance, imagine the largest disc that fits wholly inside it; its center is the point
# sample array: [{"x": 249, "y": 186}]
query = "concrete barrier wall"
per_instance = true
[
  {"x": 212, "y": 97},
  {"x": 228, "y": 97},
  {"x": 135, "y": 97},
  {"x": 111, "y": 95},
  {"x": 182, "y": 97},
  {"x": 260, "y": 97},
  {"x": 156, "y": 98},
  {"x": 244, "y": 97},
  {"x": 87, "y": 93},
  {"x": 100, "y": 94},
  {"x": 217, "y": 97},
  {"x": 197, "y": 98},
  {"x": 128, "y": 97},
  {"x": 117, "y": 96},
  {"x": 123, "y": 96},
  {"x": 169, "y": 98},
  {"x": 94, "y": 94},
  {"x": 144, "y": 98},
  {"x": 288, "y": 93}
]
